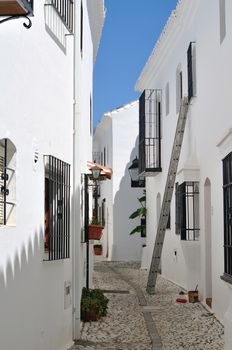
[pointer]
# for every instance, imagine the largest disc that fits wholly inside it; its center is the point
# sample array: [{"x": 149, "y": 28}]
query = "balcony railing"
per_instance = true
[
  {"x": 65, "y": 10},
  {"x": 150, "y": 132}
]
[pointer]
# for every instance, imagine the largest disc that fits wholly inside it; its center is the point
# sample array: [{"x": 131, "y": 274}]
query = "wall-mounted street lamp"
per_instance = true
[
  {"x": 13, "y": 9},
  {"x": 136, "y": 179},
  {"x": 96, "y": 171}
]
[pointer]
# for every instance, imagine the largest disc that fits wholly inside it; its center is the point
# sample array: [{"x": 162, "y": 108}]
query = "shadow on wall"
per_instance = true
[
  {"x": 29, "y": 302},
  {"x": 125, "y": 246}
]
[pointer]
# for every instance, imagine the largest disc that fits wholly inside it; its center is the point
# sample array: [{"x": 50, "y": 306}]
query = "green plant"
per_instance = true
[
  {"x": 97, "y": 245},
  {"x": 93, "y": 304},
  {"x": 95, "y": 221},
  {"x": 140, "y": 213}
]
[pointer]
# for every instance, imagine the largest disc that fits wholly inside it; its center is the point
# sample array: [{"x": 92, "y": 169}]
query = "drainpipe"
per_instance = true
[{"x": 76, "y": 220}]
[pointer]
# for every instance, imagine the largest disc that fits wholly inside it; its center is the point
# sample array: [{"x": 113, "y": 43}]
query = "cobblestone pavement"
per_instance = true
[{"x": 138, "y": 321}]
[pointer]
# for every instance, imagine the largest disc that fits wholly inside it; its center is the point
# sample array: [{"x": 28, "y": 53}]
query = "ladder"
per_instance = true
[{"x": 170, "y": 182}]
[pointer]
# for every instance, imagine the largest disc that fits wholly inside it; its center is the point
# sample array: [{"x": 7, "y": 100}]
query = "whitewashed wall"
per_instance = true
[
  {"x": 37, "y": 77},
  {"x": 36, "y": 112},
  {"x": 208, "y": 122},
  {"x": 118, "y": 132}
]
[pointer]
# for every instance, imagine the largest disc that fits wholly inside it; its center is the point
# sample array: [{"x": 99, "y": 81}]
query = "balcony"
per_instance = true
[
  {"x": 65, "y": 10},
  {"x": 150, "y": 132},
  {"x": 16, "y": 7}
]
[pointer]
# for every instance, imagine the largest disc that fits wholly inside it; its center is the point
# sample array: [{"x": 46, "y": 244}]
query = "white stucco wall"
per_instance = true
[
  {"x": 118, "y": 133},
  {"x": 208, "y": 120},
  {"x": 36, "y": 108},
  {"x": 37, "y": 96}
]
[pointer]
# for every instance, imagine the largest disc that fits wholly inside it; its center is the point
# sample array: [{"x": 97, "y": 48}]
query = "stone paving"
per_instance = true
[{"x": 138, "y": 321}]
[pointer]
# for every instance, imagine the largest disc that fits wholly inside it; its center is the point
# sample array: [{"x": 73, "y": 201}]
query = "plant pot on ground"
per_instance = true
[
  {"x": 97, "y": 249},
  {"x": 93, "y": 305}
]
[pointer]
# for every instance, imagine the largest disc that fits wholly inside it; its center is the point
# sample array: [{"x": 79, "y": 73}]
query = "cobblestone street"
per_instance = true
[{"x": 137, "y": 321}]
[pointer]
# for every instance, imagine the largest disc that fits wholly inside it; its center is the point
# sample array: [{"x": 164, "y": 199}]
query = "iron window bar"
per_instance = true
[
  {"x": 4, "y": 190},
  {"x": 57, "y": 209},
  {"x": 24, "y": 10},
  {"x": 190, "y": 66},
  {"x": 187, "y": 211},
  {"x": 65, "y": 11},
  {"x": 227, "y": 209},
  {"x": 150, "y": 131}
]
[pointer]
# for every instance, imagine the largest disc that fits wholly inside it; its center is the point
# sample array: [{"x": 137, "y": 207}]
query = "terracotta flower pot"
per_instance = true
[
  {"x": 97, "y": 250},
  {"x": 91, "y": 315},
  {"x": 95, "y": 231}
]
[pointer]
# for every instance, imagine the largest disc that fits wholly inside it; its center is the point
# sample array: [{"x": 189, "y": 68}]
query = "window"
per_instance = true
[
  {"x": 222, "y": 15},
  {"x": 65, "y": 11},
  {"x": 167, "y": 98},
  {"x": 191, "y": 58},
  {"x": 81, "y": 30},
  {"x": 57, "y": 208},
  {"x": 227, "y": 198},
  {"x": 7, "y": 182},
  {"x": 177, "y": 208},
  {"x": 187, "y": 210},
  {"x": 179, "y": 88},
  {"x": 103, "y": 219},
  {"x": 150, "y": 132}
]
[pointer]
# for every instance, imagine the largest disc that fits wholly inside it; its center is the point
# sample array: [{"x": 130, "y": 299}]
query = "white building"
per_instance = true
[
  {"x": 115, "y": 145},
  {"x": 193, "y": 57},
  {"x": 45, "y": 142}
]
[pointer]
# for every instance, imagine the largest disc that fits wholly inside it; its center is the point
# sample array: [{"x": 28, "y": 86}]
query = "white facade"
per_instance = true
[
  {"x": 116, "y": 142},
  {"x": 45, "y": 110},
  {"x": 207, "y": 140}
]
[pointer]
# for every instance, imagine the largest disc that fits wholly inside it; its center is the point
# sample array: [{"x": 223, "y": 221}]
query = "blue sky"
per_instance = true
[{"x": 129, "y": 35}]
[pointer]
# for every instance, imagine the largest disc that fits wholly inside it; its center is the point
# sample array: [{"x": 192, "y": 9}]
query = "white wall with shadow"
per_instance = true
[
  {"x": 125, "y": 246},
  {"x": 33, "y": 311}
]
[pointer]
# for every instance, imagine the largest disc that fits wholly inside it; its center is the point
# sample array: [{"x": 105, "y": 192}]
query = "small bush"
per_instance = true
[{"x": 93, "y": 304}]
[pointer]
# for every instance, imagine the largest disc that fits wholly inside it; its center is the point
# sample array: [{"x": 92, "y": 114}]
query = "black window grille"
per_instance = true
[
  {"x": 150, "y": 131},
  {"x": 65, "y": 10},
  {"x": 177, "y": 209},
  {"x": 191, "y": 61},
  {"x": 187, "y": 210},
  {"x": 57, "y": 208},
  {"x": 227, "y": 198},
  {"x": 81, "y": 30},
  {"x": 7, "y": 182},
  {"x": 103, "y": 217}
]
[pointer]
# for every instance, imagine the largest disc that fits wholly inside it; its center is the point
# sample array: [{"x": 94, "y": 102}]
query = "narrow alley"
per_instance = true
[{"x": 138, "y": 321}]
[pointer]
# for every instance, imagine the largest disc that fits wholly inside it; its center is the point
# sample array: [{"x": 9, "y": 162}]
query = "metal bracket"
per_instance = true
[{"x": 26, "y": 25}]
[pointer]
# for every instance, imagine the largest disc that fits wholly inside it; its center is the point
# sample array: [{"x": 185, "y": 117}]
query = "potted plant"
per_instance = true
[
  {"x": 93, "y": 304},
  {"x": 95, "y": 229},
  {"x": 97, "y": 249}
]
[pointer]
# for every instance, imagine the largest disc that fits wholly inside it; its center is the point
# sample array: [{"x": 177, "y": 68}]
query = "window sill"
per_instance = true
[{"x": 227, "y": 278}]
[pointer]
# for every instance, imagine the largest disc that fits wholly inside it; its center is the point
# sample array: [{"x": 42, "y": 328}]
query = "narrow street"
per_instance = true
[{"x": 137, "y": 321}]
